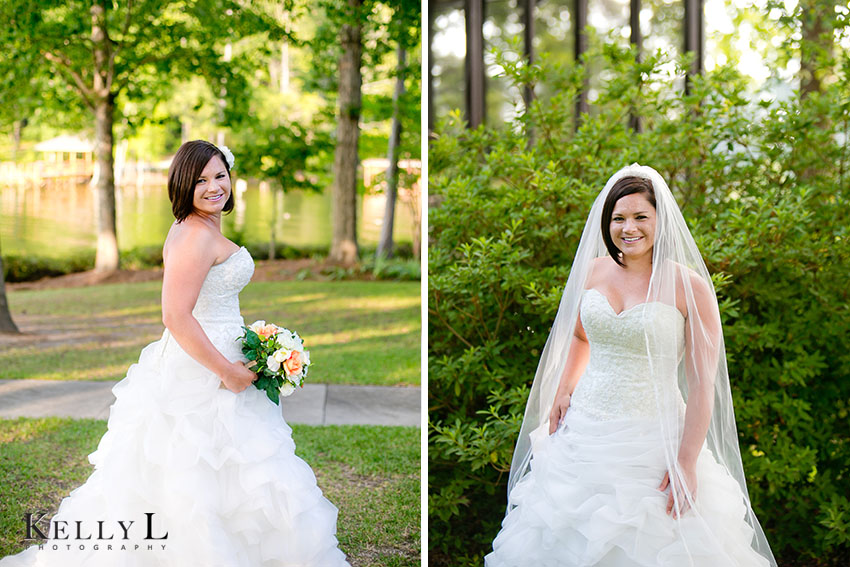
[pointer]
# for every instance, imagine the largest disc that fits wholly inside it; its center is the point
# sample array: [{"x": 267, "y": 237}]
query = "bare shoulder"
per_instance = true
[
  {"x": 691, "y": 283},
  {"x": 695, "y": 281},
  {"x": 706, "y": 300},
  {"x": 189, "y": 241},
  {"x": 600, "y": 269}
]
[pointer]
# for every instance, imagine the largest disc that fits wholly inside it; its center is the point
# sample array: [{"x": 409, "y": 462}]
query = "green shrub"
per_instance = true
[
  {"x": 393, "y": 269},
  {"x": 19, "y": 268},
  {"x": 30, "y": 268},
  {"x": 401, "y": 250},
  {"x": 377, "y": 268},
  {"x": 260, "y": 251},
  {"x": 141, "y": 258},
  {"x": 764, "y": 190}
]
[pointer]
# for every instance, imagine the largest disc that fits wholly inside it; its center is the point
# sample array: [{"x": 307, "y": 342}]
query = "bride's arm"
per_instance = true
[
  {"x": 578, "y": 356},
  {"x": 190, "y": 258},
  {"x": 576, "y": 363},
  {"x": 702, "y": 349}
]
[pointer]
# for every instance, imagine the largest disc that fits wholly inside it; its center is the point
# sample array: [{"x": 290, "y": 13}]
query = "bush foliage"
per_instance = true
[
  {"x": 19, "y": 268},
  {"x": 763, "y": 187}
]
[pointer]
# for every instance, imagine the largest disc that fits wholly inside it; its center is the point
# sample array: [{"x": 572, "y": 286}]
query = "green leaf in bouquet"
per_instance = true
[
  {"x": 252, "y": 339},
  {"x": 262, "y": 383},
  {"x": 274, "y": 395}
]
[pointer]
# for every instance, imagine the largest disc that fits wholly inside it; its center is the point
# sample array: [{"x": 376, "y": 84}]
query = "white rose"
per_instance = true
[
  {"x": 288, "y": 342},
  {"x": 287, "y": 388},
  {"x": 305, "y": 358},
  {"x": 257, "y": 325},
  {"x": 298, "y": 340},
  {"x": 272, "y": 364},
  {"x": 281, "y": 355}
]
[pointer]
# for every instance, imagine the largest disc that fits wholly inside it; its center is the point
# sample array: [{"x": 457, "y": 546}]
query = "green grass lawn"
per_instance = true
[
  {"x": 357, "y": 332},
  {"x": 371, "y": 473}
]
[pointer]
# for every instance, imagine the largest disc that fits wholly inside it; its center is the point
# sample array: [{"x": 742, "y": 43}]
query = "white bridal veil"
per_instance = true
[{"x": 679, "y": 279}]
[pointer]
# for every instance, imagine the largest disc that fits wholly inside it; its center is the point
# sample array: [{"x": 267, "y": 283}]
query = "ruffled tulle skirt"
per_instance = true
[
  {"x": 591, "y": 498},
  {"x": 214, "y": 470}
]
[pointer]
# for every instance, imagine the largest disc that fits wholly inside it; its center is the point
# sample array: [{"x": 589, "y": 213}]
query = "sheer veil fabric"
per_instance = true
[{"x": 679, "y": 279}]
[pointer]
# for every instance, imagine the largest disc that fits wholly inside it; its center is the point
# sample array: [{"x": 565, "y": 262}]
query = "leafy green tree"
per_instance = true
[
  {"x": 385, "y": 240},
  {"x": 352, "y": 46},
  {"x": 349, "y": 15},
  {"x": 817, "y": 20},
  {"x": 800, "y": 36},
  {"x": 290, "y": 154},
  {"x": 405, "y": 34},
  {"x": 99, "y": 55}
]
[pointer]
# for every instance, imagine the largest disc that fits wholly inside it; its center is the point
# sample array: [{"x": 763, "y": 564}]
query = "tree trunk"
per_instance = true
[
  {"x": 17, "y": 130},
  {"x": 107, "y": 240},
  {"x": 344, "y": 208},
  {"x": 104, "y": 101},
  {"x": 7, "y": 325},
  {"x": 417, "y": 239},
  {"x": 385, "y": 243},
  {"x": 812, "y": 47}
]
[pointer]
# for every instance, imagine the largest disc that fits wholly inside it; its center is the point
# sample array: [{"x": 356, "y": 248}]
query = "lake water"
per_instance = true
[{"x": 59, "y": 220}]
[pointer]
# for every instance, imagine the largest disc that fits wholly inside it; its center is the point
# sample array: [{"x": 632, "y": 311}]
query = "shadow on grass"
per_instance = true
[{"x": 96, "y": 333}]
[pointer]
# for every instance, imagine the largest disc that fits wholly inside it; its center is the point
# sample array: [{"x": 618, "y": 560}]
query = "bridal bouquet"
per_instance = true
[{"x": 281, "y": 361}]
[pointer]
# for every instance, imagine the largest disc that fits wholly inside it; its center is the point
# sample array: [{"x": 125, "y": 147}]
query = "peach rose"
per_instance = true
[
  {"x": 267, "y": 331},
  {"x": 293, "y": 363}
]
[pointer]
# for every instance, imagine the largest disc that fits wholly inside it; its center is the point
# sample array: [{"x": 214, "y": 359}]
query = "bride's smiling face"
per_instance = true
[
  {"x": 633, "y": 225},
  {"x": 212, "y": 188}
]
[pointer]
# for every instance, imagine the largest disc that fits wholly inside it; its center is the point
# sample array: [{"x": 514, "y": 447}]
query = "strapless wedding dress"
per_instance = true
[
  {"x": 591, "y": 496},
  {"x": 214, "y": 470}
]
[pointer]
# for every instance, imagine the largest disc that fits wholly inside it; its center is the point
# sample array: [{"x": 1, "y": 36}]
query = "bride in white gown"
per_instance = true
[
  {"x": 197, "y": 467},
  {"x": 628, "y": 453}
]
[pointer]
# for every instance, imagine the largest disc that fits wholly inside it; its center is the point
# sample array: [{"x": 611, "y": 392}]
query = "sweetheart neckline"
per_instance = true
[
  {"x": 229, "y": 257},
  {"x": 608, "y": 303}
]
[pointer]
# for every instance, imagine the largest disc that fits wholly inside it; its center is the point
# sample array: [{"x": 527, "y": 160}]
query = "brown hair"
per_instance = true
[
  {"x": 185, "y": 169},
  {"x": 625, "y": 186}
]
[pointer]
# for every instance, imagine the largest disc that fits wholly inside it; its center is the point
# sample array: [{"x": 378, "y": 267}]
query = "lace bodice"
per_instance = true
[
  {"x": 219, "y": 295},
  {"x": 617, "y": 381},
  {"x": 217, "y": 307}
]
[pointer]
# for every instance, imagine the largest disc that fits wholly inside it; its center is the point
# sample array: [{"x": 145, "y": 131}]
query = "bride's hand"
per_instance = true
[
  {"x": 690, "y": 477},
  {"x": 237, "y": 377},
  {"x": 559, "y": 409}
]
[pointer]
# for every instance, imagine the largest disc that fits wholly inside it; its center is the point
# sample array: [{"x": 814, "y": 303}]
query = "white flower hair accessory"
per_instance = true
[{"x": 228, "y": 155}]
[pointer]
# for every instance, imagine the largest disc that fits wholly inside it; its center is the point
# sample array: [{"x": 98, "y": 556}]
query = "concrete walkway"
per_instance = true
[{"x": 315, "y": 404}]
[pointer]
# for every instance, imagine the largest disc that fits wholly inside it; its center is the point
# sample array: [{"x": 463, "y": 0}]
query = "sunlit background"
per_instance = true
[
  {"x": 747, "y": 35},
  {"x": 54, "y": 220},
  {"x": 47, "y": 163}
]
